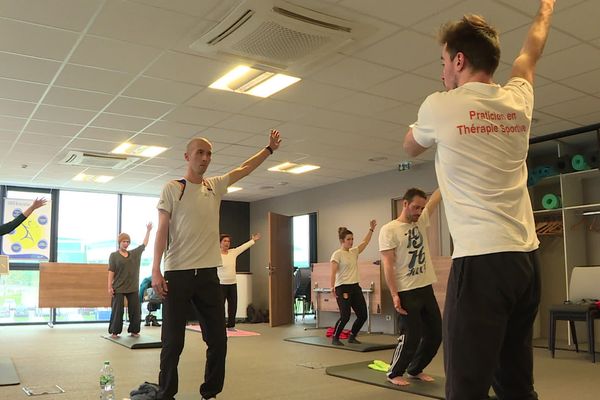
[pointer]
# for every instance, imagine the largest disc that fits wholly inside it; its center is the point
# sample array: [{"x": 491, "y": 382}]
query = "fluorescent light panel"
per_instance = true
[
  {"x": 294, "y": 168},
  {"x": 232, "y": 189},
  {"x": 138, "y": 150},
  {"x": 93, "y": 178},
  {"x": 252, "y": 81}
]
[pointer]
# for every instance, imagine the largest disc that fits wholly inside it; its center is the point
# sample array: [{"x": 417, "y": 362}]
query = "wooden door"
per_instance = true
[{"x": 280, "y": 270}]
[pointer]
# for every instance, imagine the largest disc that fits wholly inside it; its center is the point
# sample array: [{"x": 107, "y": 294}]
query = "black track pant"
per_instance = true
[
  {"x": 491, "y": 303},
  {"x": 230, "y": 296},
  {"x": 420, "y": 332},
  {"x": 134, "y": 309},
  {"x": 200, "y": 287},
  {"x": 350, "y": 297}
]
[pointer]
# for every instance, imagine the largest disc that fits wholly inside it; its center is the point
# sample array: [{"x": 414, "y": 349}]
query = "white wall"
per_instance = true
[{"x": 351, "y": 203}]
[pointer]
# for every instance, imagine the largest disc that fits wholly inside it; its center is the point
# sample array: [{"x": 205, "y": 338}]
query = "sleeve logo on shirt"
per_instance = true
[{"x": 416, "y": 266}]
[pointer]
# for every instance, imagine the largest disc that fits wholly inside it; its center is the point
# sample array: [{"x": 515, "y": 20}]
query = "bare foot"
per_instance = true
[
  {"x": 400, "y": 381},
  {"x": 135, "y": 334},
  {"x": 114, "y": 336},
  {"x": 422, "y": 377}
]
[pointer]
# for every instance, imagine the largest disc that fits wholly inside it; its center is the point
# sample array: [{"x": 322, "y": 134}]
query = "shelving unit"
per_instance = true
[{"x": 577, "y": 244}]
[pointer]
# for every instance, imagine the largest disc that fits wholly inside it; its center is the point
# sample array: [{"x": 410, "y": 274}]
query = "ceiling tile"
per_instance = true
[
  {"x": 63, "y": 114},
  {"x": 396, "y": 11},
  {"x": 141, "y": 24},
  {"x": 353, "y": 73},
  {"x": 511, "y": 43},
  {"x": 165, "y": 90},
  {"x": 364, "y": 104},
  {"x": 223, "y": 101},
  {"x": 138, "y": 107},
  {"x": 501, "y": 17},
  {"x": 189, "y": 7},
  {"x": 111, "y": 135},
  {"x": 174, "y": 129},
  {"x": 573, "y": 108},
  {"x": 187, "y": 68},
  {"x": 35, "y": 40},
  {"x": 393, "y": 51},
  {"x": 148, "y": 139},
  {"x": 13, "y": 108},
  {"x": 96, "y": 79},
  {"x": 580, "y": 20},
  {"x": 53, "y": 128},
  {"x": 226, "y": 135},
  {"x": 83, "y": 99},
  {"x": 113, "y": 54},
  {"x": 407, "y": 88},
  {"x": 588, "y": 82},
  {"x": 554, "y": 93},
  {"x": 92, "y": 145},
  {"x": 45, "y": 140},
  {"x": 248, "y": 124},
  {"x": 21, "y": 90},
  {"x": 404, "y": 114},
  {"x": 561, "y": 65},
  {"x": 52, "y": 12},
  {"x": 193, "y": 115},
  {"x": 27, "y": 68},
  {"x": 313, "y": 93},
  {"x": 122, "y": 122},
  {"x": 277, "y": 110}
]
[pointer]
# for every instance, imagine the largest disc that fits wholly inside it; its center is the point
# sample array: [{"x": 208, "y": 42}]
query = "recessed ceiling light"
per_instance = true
[
  {"x": 138, "y": 150},
  {"x": 293, "y": 168},
  {"x": 253, "y": 81},
  {"x": 232, "y": 189},
  {"x": 93, "y": 178}
]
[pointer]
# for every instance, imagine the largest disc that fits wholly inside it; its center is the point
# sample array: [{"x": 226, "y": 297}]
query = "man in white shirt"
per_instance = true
[
  {"x": 409, "y": 275},
  {"x": 482, "y": 134},
  {"x": 188, "y": 214}
]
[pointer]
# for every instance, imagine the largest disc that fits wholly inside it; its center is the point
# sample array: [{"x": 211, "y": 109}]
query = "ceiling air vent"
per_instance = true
[
  {"x": 97, "y": 160},
  {"x": 278, "y": 34}
]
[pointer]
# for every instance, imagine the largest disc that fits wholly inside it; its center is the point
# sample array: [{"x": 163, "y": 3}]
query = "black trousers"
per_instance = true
[
  {"x": 491, "y": 304},
  {"x": 201, "y": 288},
  {"x": 420, "y": 332},
  {"x": 350, "y": 297},
  {"x": 230, "y": 296},
  {"x": 134, "y": 310}
]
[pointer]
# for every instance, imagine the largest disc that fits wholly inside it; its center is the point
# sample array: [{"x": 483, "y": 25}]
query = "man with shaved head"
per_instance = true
[{"x": 188, "y": 214}]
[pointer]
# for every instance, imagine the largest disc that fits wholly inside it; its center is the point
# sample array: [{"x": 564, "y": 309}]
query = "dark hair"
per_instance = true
[
  {"x": 475, "y": 38},
  {"x": 343, "y": 232},
  {"x": 223, "y": 236},
  {"x": 412, "y": 193}
]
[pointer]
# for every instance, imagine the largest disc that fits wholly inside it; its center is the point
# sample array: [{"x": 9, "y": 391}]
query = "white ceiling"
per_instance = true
[{"x": 91, "y": 74}]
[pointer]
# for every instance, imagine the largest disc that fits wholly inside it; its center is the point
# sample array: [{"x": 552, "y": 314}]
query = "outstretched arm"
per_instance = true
[
  {"x": 148, "y": 230},
  {"x": 524, "y": 64},
  {"x": 12, "y": 225},
  {"x": 367, "y": 238},
  {"x": 253, "y": 162}
]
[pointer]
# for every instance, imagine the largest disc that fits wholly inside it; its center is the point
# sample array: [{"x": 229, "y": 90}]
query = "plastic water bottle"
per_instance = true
[{"x": 107, "y": 382}]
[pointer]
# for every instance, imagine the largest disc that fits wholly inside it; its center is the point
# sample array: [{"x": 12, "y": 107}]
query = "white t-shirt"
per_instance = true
[
  {"x": 482, "y": 136},
  {"x": 347, "y": 261},
  {"x": 194, "y": 223},
  {"x": 413, "y": 268},
  {"x": 227, "y": 271}
]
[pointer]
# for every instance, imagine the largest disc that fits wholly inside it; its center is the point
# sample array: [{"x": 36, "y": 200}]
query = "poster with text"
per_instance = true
[{"x": 30, "y": 241}]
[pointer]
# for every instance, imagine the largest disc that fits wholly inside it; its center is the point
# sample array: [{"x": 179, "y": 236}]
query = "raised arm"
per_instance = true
[
  {"x": 524, "y": 64},
  {"x": 12, "y": 225},
  {"x": 388, "y": 258},
  {"x": 411, "y": 147},
  {"x": 148, "y": 230},
  {"x": 253, "y": 162},
  {"x": 37, "y": 203},
  {"x": 160, "y": 243},
  {"x": 434, "y": 201},
  {"x": 367, "y": 238},
  {"x": 242, "y": 248}
]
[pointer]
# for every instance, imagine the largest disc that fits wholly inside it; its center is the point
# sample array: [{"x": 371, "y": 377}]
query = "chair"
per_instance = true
[
  {"x": 583, "y": 288},
  {"x": 302, "y": 292}
]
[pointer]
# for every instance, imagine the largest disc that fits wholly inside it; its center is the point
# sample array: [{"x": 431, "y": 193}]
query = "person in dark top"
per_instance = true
[
  {"x": 12, "y": 225},
  {"x": 123, "y": 281}
]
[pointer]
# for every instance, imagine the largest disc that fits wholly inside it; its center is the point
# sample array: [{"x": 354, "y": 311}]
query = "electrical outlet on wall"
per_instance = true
[{"x": 388, "y": 317}]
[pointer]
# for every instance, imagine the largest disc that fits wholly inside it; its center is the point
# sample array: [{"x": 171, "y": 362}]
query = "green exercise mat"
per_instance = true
[
  {"x": 326, "y": 342},
  {"x": 134, "y": 343},
  {"x": 579, "y": 163},
  {"x": 8, "y": 373},
  {"x": 360, "y": 372},
  {"x": 550, "y": 201}
]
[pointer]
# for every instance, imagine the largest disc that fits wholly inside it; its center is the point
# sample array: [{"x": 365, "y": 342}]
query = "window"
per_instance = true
[
  {"x": 136, "y": 212},
  {"x": 87, "y": 233},
  {"x": 19, "y": 298},
  {"x": 301, "y": 238}
]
